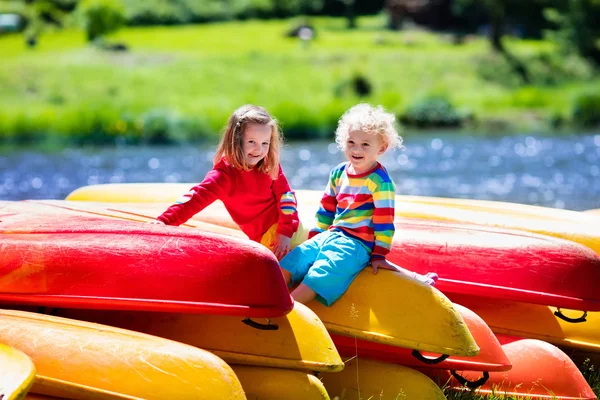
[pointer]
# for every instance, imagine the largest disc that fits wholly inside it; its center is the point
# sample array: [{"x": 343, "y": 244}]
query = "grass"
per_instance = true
[{"x": 197, "y": 75}]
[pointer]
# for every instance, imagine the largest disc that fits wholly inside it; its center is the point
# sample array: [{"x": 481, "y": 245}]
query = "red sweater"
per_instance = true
[{"x": 253, "y": 199}]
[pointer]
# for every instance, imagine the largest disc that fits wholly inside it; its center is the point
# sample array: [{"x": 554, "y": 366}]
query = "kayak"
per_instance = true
[
  {"x": 276, "y": 384},
  {"x": 60, "y": 258},
  {"x": 68, "y": 354},
  {"x": 535, "y": 321},
  {"x": 368, "y": 379},
  {"x": 490, "y": 358},
  {"x": 146, "y": 212},
  {"x": 565, "y": 271},
  {"x": 540, "y": 370},
  {"x": 296, "y": 341},
  {"x": 595, "y": 211},
  {"x": 17, "y": 373},
  {"x": 393, "y": 309},
  {"x": 500, "y": 263}
]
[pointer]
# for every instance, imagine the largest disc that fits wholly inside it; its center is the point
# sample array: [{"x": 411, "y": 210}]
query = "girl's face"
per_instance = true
[
  {"x": 255, "y": 142},
  {"x": 363, "y": 150}
]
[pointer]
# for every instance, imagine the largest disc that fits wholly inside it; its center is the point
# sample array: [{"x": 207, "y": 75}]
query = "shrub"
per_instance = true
[
  {"x": 433, "y": 112},
  {"x": 586, "y": 110},
  {"x": 101, "y": 17}
]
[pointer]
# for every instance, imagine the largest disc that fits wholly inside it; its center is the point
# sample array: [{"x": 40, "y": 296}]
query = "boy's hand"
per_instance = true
[
  {"x": 281, "y": 246},
  {"x": 382, "y": 263},
  {"x": 156, "y": 222}
]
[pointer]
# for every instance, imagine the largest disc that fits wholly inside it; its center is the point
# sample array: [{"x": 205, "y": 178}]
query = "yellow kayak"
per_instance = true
[
  {"x": 299, "y": 342},
  {"x": 17, "y": 373},
  {"x": 393, "y": 309},
  {"x": 111, "y": 360},
  {"x": 536, "y": 322},
  {"x": 571, "y": 225},
  {"x": 276, "y": 384},
  {"x": 366, "y": 379}
]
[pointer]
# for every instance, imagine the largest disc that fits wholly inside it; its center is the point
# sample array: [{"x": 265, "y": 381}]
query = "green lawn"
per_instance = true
[{"x": 190, "y": 78}]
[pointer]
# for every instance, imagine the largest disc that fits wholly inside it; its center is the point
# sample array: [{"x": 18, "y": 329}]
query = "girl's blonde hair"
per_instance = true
[
  {"x": 373, "y": 120},
  {"x": 231, "y": 144}
]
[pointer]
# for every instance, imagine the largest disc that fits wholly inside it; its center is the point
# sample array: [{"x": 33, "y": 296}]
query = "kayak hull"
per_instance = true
[
  {"x": 367, "y": 379},
  {"x": 59, "y": 258},
  {"x": 540, "y": 371},
  {"x": 535, "y": 321},
  {"x": 17, "y": 373},
  {"x": 299, "y": 341},
  {"x": 491, "y": 357},
  {"x": 422, "y": 318},
  {"x": 115, "y": 360}
]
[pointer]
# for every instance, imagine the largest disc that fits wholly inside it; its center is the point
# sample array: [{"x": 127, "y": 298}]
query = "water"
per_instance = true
[{"x": 560, "y": 172}]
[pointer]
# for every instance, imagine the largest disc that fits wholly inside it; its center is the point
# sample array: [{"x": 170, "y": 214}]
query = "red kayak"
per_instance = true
[
  {"x": 540, "y": 371},
  {"x": 491, "y": 357},
  {"x": 61, "y": 258},
  {"x": 500, "y": 263}
]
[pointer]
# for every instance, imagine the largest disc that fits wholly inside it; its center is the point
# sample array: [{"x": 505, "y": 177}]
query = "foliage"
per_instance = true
[
  {"x": 433, "y": 112},
  {"x": 192, "y": 77},
  {"x": 39, "y": 16},
  {"x": 101, "y": 17},
  {"x": 546, "y": 68},
  {"x": 578, "y": 28},
  {"x": 586, "y": 109},
  {"x": 162, "y": 12}
]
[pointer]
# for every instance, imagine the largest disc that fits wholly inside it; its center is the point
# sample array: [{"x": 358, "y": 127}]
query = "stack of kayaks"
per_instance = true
[
  {"x": 478, "y": 259},
  {"x": 87, "y": 267}
]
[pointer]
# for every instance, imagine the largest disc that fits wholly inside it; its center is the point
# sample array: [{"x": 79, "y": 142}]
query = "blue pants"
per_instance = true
[{"x": 327, "y": 263}]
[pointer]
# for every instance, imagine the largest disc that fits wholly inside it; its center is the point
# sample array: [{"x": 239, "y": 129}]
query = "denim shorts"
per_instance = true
[{"x": 327, "y": 263}]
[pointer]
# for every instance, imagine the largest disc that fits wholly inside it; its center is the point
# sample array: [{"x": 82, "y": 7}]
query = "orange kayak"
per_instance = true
[{"x": 540, "y": 370}]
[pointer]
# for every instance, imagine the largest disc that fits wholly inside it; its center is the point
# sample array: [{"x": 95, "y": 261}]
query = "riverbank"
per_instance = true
[{"x": 177, "y": 84}]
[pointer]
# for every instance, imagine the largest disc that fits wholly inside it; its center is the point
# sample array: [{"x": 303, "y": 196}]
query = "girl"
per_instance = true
[{"x": 249, "y": 181}]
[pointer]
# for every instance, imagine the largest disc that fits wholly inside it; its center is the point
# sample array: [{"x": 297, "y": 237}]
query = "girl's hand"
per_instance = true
[
  {"x": 281, "y": 246},
  {"x": 382, "y": 263},
  {"x": 155, "y": 222}
]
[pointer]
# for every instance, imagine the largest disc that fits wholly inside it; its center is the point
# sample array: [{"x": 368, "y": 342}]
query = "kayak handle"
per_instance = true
[
  {"x": 471, "y": 385},
  {"x": 562, "y": 316},
  {"x": 429, "y": 361},
  {"x": 264, "y": 327}
]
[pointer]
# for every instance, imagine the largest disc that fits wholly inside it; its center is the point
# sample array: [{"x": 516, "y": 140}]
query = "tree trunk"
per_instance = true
[{"x": 497, "y": 22}]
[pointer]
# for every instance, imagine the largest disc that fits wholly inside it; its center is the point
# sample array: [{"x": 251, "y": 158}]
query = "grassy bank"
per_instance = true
[{"x": 180, "y": 83}]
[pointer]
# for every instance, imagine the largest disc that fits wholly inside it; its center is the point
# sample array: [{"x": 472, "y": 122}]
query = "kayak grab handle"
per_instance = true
[
  {"x": 471, "y": 385},
  {"x": 562, "y": 316},
  {"x": 429, "y": 361},
  {"x": 264, "y": 327}
]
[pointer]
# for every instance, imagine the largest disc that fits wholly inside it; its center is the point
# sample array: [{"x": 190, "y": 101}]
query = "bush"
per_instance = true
[
  {"x": 433, "y": 112},
  {"x": 586, "y": 110},
  {"x": 545, "y": 69},
  {"x": 101, "y": 17}
]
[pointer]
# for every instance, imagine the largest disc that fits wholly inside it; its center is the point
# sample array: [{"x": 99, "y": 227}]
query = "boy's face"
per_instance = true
[
  {"x": 363, "y": 150},
  {"x": 255, "y": 142}
]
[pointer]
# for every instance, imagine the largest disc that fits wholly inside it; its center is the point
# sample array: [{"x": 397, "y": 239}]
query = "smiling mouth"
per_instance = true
[{"x": 357, "y": 157}]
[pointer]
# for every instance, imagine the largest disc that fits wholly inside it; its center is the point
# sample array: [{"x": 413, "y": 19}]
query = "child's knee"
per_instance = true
[{"x": 287, "y": 275}]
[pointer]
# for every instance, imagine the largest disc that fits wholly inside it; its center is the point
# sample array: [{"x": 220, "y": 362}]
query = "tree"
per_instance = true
[
  {"x": 40, "y": 15},
  {"x": 101, "y": 16},
  {"x": 577, "y": 27}
]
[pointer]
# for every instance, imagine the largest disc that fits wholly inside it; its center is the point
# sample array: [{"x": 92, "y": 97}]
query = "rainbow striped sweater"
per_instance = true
[{"x": 360, "y": 206}]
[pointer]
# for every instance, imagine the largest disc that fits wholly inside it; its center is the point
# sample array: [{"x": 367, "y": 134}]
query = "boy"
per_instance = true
[{"x": 355, "y": 222}]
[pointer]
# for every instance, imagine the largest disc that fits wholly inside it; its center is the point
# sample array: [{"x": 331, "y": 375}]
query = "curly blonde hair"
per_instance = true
[
  {"x": 369, "y": 119},
  {"x": 231, "y": 144}
]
